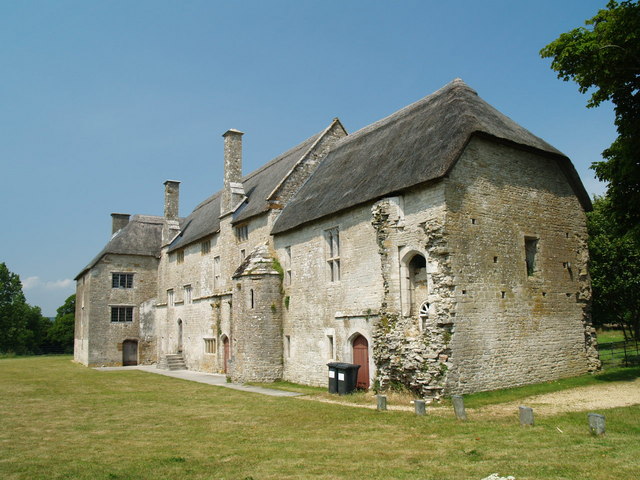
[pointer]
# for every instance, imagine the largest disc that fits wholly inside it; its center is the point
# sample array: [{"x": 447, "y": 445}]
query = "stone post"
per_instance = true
[
  {"x": 596, "y": 423},
  {"x": 421, "y": 409},
  {"x": 382, "y": 402},
  {"x": 526, "y": 416},
  {"x": 458, "y": 407}
]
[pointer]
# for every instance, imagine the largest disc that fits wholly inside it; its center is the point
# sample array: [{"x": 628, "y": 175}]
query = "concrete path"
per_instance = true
[{"x": 215, "y": 379}]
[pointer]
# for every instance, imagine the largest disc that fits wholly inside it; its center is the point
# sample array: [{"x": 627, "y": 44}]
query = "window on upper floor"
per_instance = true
[
  {"x": 170, "y": 298},
  {"x": 205, "y": 247},
  {"x": 180, "y": 256},
  {"x": 121, "y": 314},
  {"x": 332, "y": 237},
  {"x": 242, "y": 233},
  {"x": 287, "y": 265},
  {"x": 531, "y": 252},
  {"x": 187, "y": 295},
  {"x": 122, "y": 280},
  {"x": 216, "y": 272}
]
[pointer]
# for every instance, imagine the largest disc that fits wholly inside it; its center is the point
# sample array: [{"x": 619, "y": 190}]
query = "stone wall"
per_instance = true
[
  {"x": 318, "y": 311},
  {"x": 98, "y": 340},
  {"x": 512, "y": 326}
]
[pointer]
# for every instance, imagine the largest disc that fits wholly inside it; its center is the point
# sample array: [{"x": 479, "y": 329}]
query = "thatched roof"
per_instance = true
[
  {"x": 141, "y": 236},
  {"x": 205, "y": 218},
  {"x": 417, "y": 144}
]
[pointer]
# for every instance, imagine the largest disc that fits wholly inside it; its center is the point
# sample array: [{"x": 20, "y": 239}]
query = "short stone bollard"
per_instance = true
[
  {"x": 382, "y": 402},
  {"x": 421, "y": 408},
  {"x": 596, "y": 423},
  {"x": 458, "y": 407},
  {"x": 526, "y": 416}
]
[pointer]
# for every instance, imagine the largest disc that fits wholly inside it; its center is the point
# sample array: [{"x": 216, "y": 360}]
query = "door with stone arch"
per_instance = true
[
  {"x": 226, "y": 352},
  {"x": 179, "y": 350},
  {"x": 361, "y": 357},
  {"x": 129, "y": 353}
]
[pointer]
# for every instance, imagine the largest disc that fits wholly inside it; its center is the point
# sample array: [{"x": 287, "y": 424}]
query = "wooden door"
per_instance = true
[
  {"x": 361, "y": 357},
  {"x": 227, "y": 353},
  {"x": 129, "y": 352}
]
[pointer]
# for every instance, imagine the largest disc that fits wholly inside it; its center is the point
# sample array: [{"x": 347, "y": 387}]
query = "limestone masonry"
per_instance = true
[{"x": 442, "y": 248}]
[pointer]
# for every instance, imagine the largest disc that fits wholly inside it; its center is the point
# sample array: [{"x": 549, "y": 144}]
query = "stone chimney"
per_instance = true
[
  {"x": 119, "y": 221},
  {"x": 171, "y": 211},
  {"x": 232, "y": 192}
]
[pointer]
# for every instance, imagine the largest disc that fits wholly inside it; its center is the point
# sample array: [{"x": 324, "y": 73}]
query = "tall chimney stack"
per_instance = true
[
  {"x": 119, "y": 221},
  {"x": 171, "y": 211},
  {"x": 171, "y": 199},
  {"x": 232, "y": 191}
]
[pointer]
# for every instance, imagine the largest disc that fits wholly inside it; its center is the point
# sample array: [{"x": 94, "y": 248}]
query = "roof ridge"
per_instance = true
[{"x": 404, "y": 111}]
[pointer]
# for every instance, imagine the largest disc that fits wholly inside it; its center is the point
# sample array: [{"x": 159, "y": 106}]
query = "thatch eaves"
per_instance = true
[
  {"x": 141, "y": 236},
  {"x": 418, "y": 144}
]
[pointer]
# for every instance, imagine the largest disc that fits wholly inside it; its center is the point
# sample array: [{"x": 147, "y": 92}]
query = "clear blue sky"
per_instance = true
[{"x": 102, "y": 101}]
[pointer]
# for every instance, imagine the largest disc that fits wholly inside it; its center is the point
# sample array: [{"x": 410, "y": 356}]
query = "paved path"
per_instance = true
[{"x": 215, "y": 379}]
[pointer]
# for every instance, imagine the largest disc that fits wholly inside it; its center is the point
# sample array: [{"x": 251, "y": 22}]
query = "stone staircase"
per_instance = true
[{"x": 172, "y": 361}]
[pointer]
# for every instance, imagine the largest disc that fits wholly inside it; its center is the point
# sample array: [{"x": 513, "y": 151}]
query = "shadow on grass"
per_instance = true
[{"x": 619, "y": 374}]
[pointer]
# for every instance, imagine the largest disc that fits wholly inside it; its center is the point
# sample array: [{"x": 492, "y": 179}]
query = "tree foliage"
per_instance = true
[
  {"x": 61, "y": 332},
  {"x": 604, "y": 58},
  {"x": 23, "y": 329},
  {"x": 615, "y": 271}
]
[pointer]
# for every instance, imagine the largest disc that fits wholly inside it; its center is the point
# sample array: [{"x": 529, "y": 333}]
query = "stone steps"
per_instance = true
[{"x": 172, "y": 361}]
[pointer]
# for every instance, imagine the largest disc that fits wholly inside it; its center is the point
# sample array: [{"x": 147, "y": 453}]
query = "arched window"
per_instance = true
[{"x": 417, "y": 283}]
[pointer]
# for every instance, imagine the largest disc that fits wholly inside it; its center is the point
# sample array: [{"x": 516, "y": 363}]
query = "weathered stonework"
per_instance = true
[{"x": 443, "y": 249}]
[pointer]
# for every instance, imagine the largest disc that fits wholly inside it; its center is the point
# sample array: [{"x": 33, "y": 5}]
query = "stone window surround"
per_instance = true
[
  {"x": 171, "y": 300},
  {"x": 242, "y": 232},
  {"x": 121, "y": 313},
  {"x": 531, "y": 254},
  {"x": 287, "y": 265},
  {"x": 187, "y": 294},
  {"x": 210, "y": 346},
  {"x": 332, "y": 245},
  {"x": 121, "y": 280},
  {"x": 180, "y": 256},
  {"x": 405, "y": 255},
  {"x": 205, "y": 247}
]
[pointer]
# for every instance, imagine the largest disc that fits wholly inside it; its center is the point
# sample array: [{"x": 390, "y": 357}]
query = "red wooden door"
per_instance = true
[
  {"x": 226, "y": 354},
  {"x": 361, "y": 357}
]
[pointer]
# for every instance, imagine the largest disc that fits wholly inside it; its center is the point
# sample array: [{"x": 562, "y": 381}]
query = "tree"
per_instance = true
[
  {"x": 604, "y": 57},
  {"x": 61, "y": 332},
  {"x": 615, "y": 272},
  {"x": 22, "y": 327}
]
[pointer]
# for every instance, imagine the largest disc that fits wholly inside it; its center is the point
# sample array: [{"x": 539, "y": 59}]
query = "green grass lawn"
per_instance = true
[{"x": 59, "y": 420}]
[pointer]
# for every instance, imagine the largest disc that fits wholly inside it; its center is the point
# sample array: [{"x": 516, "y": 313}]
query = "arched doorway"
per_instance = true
[
  {"x": 417, "y": 270},
  {"x": 179, "y": 336},
  {"x": 129, "y": 352},
  {"x": 227, "y": 353},
  {"x": 361, "y": 357}
]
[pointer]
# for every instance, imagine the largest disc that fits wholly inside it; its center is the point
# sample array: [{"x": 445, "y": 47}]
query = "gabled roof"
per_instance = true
[
  {"x": 141, "y": 236},
  {"x": 417, "y": 144},
  {"x": 258, "y": 185}
]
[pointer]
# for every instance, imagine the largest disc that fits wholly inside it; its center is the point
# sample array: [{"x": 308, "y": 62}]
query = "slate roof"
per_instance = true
[
  {"x": 141, "y": 236},
  {"x": 205, "y": 218},
  {"x": 417, "y": 144}
]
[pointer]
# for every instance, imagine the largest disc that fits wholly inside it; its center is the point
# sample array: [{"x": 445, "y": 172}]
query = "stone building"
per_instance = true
[{"x": 442, "y": 248}]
